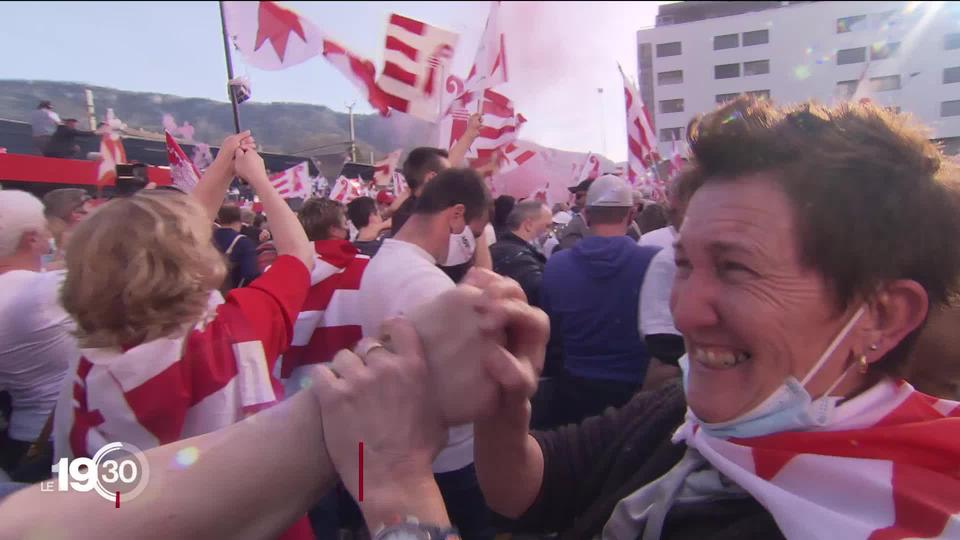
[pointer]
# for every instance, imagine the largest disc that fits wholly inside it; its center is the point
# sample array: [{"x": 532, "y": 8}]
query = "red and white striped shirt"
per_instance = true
[{"x": 330, "y": 318}]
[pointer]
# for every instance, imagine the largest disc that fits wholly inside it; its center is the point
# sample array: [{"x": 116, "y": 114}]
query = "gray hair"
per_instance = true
[{"x": 524, "y": 210}]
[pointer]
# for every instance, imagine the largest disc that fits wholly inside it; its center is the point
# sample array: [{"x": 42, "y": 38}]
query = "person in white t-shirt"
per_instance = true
[
  {"x": 43, "y": 123},
  {"x": 403, "y": 275},
  {"x": 36, "y": 343},
  {"x": 655, "y": 318}
]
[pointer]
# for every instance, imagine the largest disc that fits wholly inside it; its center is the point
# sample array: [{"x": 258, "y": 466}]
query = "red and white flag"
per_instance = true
[
  {"x": 885, "y": 467},
  {"x": 399, "y": 183},
  {"x": 383, "y": 170},
  {"x": 514, "y": 155},
  {"x": 590, "y": 168},
  {"x": 641, "y": 138},
  {"x": 359, "y": 71},
  {"x": 676, "y": 159},
  {"x": 183, "y": 173},
  {"x": 331, "y": 316},
  {"x": 270, "y": 36},
  {"x": 500, "y": 126},
  {"x": 417, "y": 58},
  {"x": 294, "y": 182},
  {"x": 346, "y": 189},
  {"x": 111, "y": 153},
  {"x": 490, "y": 65}
]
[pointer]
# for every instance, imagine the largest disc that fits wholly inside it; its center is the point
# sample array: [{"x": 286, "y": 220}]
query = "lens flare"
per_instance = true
[
  {"x": 801, "y": 72},
  {"x": 186, "y": 457}
]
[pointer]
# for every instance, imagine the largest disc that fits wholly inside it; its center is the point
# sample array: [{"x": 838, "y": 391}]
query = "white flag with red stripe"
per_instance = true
[
  {"x": 514, "y": 155},
  {"x": 641, "y": 139},
  {"x": 885, "y": 467},
  {"x": 294, "y": 182},
  {"x": 490, "y": 65},
  {"x": 359, "y": 71},
  {"x": 417, "y": 58},
  {"x": 500, "y": 126},
  {"x": 399, "y": 183},
  {"x": 383, "y": 170},
  {"x": 270, "y": 36},
  {"x": 590, "y": 168},
  {"x": 111, "y": 153},
  {"x": 183, "y": 173},
  {"x": 346, "y": 189},
  {"x": 676, "y": 159}
]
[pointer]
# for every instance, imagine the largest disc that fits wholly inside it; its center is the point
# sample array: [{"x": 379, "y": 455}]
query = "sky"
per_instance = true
[{"x": 559, "y": 55}]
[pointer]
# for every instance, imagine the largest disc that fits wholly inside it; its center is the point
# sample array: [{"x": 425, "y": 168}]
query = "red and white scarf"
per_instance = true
[{"x": 887, "y": 467}]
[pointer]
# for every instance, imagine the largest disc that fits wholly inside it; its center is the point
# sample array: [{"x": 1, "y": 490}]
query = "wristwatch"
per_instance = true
[{"x": 416, "y": 531}]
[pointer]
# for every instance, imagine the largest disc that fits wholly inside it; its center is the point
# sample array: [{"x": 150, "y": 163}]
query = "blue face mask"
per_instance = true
[{"x": 789, "y": 408}]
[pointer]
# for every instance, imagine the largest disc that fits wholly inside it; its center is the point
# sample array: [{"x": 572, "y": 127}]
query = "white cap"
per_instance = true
[
  {"x": 562, "y": 218},
  {"x": 611, "y": 191}
]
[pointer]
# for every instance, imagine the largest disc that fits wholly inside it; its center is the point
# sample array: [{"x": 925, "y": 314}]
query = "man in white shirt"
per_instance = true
[
  {"x": 43, "y": 123},
  {"x": 36, "y": 344},
  {"x": 403, "y": 275}
]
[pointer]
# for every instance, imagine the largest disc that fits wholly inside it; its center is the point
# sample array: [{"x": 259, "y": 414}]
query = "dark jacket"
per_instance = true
[
  {"x": 515, "y": 258},
  {"x": 368, "y": 247},
  {"x": 403, "y": 213},
  {"x": 591, "y": 293},
  {"x": 63, "y": 143},
  {"x": 589, "y": 468},
  {"x": 242, "y": 259}
]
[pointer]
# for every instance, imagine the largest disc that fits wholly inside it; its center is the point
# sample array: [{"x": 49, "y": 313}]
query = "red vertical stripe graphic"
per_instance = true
[{"x": 360, "y": 473}]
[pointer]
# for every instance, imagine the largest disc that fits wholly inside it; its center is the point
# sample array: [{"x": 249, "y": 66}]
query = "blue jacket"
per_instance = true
[{"x": 592, "y": 293}]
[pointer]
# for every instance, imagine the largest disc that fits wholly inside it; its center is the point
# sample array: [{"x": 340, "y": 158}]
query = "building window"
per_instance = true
[
  {"x": 759, "y": 94},
  {"x": 951, "y": 41},
  {"x": 884, "y": 84},
  {"x": 851, "y": 56},
  {"x": 671, "y": 106},
  {"x": 726, "y": 71},
  {"x": 728, "y": 41},
  {"x": 879, "y": 19},
  {"x": 883, "y": 51},
  {"x": 757, "y": 67},
  {"x": 950, "y": 108},
  {"x": 673, "y": 134},
  {"x": 670, "y": 77},
  {"x": 674, "y": 48},
  {"x": 846, "y": 89},
  {"x": 951, "y": 75},
  {"x": 723, "y": 98},
  {"x": 757, "y": 37},
  {"x": 851, "y": 24}
]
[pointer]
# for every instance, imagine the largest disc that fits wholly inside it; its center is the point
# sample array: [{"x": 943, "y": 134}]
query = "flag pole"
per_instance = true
[{"x": 226, "y": 53}]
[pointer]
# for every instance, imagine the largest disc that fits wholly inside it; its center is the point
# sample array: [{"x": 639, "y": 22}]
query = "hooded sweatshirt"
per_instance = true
[{"x": 591, "y": 293}]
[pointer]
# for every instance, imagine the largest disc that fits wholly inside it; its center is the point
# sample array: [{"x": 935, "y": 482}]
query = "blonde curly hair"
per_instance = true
[{"x": 140, "y": 268}]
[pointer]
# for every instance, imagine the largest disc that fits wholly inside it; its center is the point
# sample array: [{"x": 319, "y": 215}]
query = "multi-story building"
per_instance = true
[{"x": 904, "y": 55}]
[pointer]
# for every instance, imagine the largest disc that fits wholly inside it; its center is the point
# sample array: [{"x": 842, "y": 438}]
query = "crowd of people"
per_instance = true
[{"x": 747, "y": 359}]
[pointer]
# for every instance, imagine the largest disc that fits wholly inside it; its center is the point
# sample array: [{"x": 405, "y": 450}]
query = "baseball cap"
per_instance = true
[
  {"x": 384, "y": 197},
  {"x": 562, "y": 218},
  {"x": 582, "y": 186},
  {"x": 610, "y": 191},
  {"x": 62, "y": 202}
]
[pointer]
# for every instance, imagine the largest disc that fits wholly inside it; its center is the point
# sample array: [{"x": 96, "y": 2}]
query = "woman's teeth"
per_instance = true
[{"x": 718, "y": 359}]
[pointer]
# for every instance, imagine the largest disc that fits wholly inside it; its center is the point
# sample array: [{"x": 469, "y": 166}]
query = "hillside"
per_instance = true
[{"x": 280, "y": 127}]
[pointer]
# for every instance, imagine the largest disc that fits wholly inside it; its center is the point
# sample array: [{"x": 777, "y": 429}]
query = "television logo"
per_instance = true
[{"x": 117, "y": 469}]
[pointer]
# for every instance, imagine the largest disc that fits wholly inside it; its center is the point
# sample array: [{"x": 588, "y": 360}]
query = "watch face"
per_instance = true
[{"x": 403, "y": 531}]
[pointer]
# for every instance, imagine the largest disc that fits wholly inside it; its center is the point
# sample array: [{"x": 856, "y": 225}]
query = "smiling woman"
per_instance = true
[{"x": 815, "y": 243}]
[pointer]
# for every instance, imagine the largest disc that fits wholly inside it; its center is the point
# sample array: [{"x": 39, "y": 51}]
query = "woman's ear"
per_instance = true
[{"x": 897, "y": 310}]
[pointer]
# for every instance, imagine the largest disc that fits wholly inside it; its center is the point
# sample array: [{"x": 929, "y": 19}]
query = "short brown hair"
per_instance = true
[
  {"x": 228, "y": 213},
  {"x": 452, "y": 187},
  {"x": 317, "y": 217},
  {"x": 140, "y": 268},
  {"x": 874, "y": 199}
]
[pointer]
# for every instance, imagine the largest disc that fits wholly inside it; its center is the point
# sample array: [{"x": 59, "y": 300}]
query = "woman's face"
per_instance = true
[{"x": 751, "y": 314}]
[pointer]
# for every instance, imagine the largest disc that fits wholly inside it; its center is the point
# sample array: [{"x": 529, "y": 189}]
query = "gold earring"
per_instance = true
[{"x": 863, "y": 364}]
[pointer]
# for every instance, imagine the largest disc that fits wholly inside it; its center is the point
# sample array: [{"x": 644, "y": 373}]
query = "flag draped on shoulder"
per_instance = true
[
  {"x": 270, "y": 36},
  {"x": 884, "y": 470},
  {"x": 183, "y": 173},
  {"x": 417, "y": 58}
]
